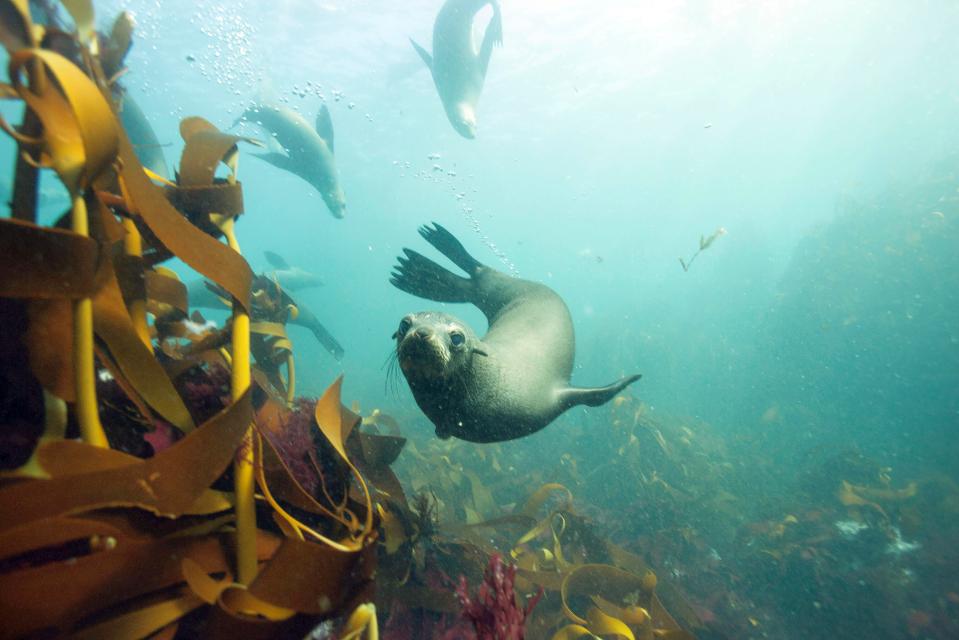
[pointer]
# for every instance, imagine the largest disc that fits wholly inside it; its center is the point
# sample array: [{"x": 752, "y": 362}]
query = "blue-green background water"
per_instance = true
[{"x": 821, "y": 135}]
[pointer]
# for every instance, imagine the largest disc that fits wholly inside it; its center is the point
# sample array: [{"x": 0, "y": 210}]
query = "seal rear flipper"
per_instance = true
[
  {"x": 492, "y": 37},
  {"x": 324, "y": 127},
  {"x": 594, "y": 396},
  {"x": 424, "y": 278},
  {"x": 305, "y": 318},
  {"x": 447, "y": 244},
  {"x": 427, "y": 58}
]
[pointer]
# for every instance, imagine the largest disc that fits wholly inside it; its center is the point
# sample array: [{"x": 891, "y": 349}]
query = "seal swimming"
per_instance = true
[
  {"x": 308, "y": 152},
  {"x": 458, "y": 69},
  {"x": 509, "y": 384},
  {"x": 290, "y": 279}
]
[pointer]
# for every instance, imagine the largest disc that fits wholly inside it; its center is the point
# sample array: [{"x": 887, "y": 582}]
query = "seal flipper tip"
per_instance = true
[
  {"x": 424, "y": 278},
  {"x": 594, "y": 396},
  {"x": 495, "y": 28},
  {"x": 447, "y": 244}
]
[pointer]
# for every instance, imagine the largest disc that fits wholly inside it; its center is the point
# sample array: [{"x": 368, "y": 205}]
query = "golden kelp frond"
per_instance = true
[
  {"x": 82, "y": 13},
  {"x": 541, "y": 495},
  {"x": 158, "y": 484},
  {"x": 362, "y": 622},
  {"x": 80, "y": 134},
  {"x": 617, "y": 602}
]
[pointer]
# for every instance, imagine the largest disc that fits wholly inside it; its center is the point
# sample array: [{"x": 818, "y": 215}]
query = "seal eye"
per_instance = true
[
  {"x": 404, "y": 327},
  {"x": 457, "y": 339}
]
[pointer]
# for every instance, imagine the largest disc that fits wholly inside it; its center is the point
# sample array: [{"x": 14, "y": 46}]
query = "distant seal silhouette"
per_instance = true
[
  {"x": 308, "y": 152},
  {"x": 290, "y": 278},
  {"x": 458, "y": 69},
  {"x": 509, "y": 384}
]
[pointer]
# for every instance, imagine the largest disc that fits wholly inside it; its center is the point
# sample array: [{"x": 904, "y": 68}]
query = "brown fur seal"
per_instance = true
[
  {"x": 458, "y": 68},
  {"x": 512, "y": 382},
  {"x": 307, "y": 152}
]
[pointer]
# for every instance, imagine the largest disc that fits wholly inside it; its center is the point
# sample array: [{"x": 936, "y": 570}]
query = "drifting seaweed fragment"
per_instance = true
[{"x": 704, "y": 243}]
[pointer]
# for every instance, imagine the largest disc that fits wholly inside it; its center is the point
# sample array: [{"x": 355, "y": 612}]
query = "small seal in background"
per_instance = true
[{"x": 458, "y": 69}]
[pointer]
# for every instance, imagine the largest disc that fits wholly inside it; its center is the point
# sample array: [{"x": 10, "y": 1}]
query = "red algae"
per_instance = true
[{"x": 494, "y": 612}]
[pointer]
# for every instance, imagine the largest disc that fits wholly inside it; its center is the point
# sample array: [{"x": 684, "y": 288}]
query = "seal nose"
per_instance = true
[{"x": 422, "y": 332}]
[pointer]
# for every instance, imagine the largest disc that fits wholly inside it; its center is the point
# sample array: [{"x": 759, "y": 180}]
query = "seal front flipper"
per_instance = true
[
  {"x": 447, "y": 244},
  {"x": 427, "y": 58},
  {"x": 424, "y": 278},
  {"x": 594, "y": 396}
]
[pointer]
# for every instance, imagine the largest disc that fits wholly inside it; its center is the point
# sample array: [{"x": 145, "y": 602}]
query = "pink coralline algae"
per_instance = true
[{"x": 494, "y": 613}]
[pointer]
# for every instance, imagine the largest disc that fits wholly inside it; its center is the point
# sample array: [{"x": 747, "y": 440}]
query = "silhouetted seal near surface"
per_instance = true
[
  {"x": 458, "y": 68},
  {"x": 512, "y": 382}
]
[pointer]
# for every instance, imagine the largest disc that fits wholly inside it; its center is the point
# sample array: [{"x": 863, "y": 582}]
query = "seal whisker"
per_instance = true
[{"x": 389, "y": 384}]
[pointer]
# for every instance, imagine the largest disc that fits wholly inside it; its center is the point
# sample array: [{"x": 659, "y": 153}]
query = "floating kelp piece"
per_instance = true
[{"x": 704, "y": 243}]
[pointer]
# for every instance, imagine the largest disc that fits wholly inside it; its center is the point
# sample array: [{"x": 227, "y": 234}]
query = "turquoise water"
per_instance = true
[{"x": 823, "y": 327}]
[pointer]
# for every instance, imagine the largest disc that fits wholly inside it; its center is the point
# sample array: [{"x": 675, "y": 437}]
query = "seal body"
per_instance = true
[
  {"x": 458, "y": 68},
  {"x": 144, "y": 140},
  {"x": 307, "y": 151},
  {"x": 511, "y": 382}
]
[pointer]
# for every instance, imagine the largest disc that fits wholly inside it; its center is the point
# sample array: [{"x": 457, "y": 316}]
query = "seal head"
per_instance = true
[
  {"x": 462, "y": 116},
  {"x": 434, "y": 348}
]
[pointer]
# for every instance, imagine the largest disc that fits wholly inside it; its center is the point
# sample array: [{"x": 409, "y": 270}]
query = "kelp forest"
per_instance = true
[
  {"x": 169, "y": 483},
  {"x": 161, "y": 477}
]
